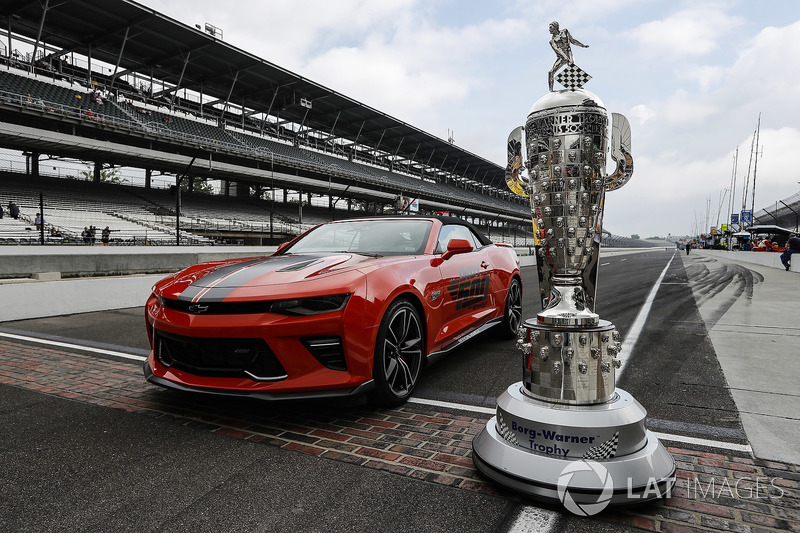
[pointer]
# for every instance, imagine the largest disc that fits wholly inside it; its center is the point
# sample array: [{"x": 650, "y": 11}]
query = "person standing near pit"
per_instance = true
[{"x": 792, "y": 247}]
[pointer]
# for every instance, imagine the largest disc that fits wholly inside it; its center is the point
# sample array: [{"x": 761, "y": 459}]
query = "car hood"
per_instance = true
[{"x": 214, "y": 281}]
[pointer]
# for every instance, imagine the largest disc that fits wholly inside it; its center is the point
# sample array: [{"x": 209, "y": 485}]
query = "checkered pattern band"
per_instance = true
[
  {"x": 572, "y": 77},
  {"x": 607, "y": 450},
  {"x": 506, "y": 433}
]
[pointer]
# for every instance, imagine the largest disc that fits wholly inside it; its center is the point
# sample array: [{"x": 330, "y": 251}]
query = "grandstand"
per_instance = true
[
  {"x": 784, "y": 213},
  {"x": 116, "y": 84}
]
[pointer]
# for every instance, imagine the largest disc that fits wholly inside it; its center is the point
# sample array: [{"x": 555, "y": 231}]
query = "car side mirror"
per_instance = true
[{"x": 455, "y": 247}]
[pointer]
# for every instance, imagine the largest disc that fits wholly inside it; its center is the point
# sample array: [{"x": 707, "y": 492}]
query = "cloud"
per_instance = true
[
  {"x": 641, "y": 114},
  {"x": 415, "y": 69},
  {"x": 287, "y": 32},
  {"x": 691, "y": 32},
  {"x": 705, "y": 77}
]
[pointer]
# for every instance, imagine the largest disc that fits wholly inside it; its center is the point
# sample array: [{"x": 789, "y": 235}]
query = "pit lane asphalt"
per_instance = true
[
  {"x": 674, "y": 375},
  {"x": 99, "y": 469}
]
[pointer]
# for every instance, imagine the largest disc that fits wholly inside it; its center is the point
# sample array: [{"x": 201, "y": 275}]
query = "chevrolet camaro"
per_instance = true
[{"x": 349, "y": 307}]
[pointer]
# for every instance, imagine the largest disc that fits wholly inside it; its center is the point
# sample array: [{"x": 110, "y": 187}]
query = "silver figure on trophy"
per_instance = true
[{"x": 567, "y": 408}]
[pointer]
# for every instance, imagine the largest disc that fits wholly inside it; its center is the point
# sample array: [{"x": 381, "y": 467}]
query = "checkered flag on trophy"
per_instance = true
[
  {"x": 506, "y": 433},
  {"x": 607, "y": 450},
  {"x": 572, "y": 77}
]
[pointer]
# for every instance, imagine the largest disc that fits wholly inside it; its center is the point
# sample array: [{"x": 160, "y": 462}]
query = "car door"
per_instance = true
[{"x": 466, "y": 285}]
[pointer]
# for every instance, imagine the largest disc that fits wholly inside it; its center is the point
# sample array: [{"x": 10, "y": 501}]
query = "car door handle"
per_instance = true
[{"x": 484, "y": 264}]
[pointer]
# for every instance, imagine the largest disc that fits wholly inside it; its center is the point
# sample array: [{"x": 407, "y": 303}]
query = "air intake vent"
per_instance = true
[
  {"x": 327, "y": 350},
  {"x": 224, "y": 358}
]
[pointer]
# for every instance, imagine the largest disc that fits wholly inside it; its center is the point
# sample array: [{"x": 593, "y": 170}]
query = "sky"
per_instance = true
[{"x": 692, "y": 77}]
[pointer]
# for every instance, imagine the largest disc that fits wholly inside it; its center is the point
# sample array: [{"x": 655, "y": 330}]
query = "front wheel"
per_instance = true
[
  {"x": 512, "y": 315},
  {"x": 399, "y": 352}
]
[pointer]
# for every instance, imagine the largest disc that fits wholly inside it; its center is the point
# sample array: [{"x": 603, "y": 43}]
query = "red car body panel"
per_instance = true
[{"x": 456, "y": 297}]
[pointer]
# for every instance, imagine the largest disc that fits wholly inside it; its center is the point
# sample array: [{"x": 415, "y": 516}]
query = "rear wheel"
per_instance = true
[
  {"x": 512, "y": 316},
  {"x": 399, "y": 352}
]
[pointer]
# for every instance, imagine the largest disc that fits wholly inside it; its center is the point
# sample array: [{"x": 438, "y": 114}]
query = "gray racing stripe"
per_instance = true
[{"x": 234, "y": 276}]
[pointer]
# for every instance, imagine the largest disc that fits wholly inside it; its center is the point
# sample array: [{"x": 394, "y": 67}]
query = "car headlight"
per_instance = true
[
  {"x": 309, "y": 306},
  {"x": 292, "y": 307}
]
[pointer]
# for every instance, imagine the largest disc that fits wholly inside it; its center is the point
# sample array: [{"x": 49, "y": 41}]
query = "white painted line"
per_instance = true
[
  {"x": 74, "y": 346},
  {"x": 534, "y": 520},
  {"x": 705, "y": 442},
  {"x": 458, "y": 406},
  {"x": 420, "y": 401},
  {"x": 604, "y": 264},
  {"x": 638, "y": 324},
  {"x": 621, "y": 260}
]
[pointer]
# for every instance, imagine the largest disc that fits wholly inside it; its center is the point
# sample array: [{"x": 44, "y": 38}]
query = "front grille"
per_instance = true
[
  {"x": 223, "y": 358},
  {"x": 327, "y": 350},
  {"x": 217, "y": 308}
]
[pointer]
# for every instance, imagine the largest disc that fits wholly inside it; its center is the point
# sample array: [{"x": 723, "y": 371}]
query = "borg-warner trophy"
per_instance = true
[{"x": 566, "y": 409}]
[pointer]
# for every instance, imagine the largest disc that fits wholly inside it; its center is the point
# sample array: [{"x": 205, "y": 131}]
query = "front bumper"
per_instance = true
[{"x": 255, "y": 394}]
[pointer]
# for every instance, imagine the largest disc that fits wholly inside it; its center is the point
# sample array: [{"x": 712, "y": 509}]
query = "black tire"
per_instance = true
[
  {"x": 512, "y": 316},
  {"x": 399, "y": 353}
]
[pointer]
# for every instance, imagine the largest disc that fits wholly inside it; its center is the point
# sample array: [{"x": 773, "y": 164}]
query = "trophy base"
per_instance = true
[{"x": 561, "y": 453}]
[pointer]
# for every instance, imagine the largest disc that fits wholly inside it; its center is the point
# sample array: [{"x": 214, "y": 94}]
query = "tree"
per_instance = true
[
  {"x": 201, "y": 185},
  {"x": 635, "y": 236},
  {"x": 108, "y": 174}
]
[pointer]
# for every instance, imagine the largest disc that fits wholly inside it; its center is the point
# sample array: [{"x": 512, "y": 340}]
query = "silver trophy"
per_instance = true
[{"x": 567, "y": 408}]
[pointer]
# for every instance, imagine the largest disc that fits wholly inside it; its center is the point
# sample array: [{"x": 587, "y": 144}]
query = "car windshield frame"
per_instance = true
[{"x": 377, "y": 237}]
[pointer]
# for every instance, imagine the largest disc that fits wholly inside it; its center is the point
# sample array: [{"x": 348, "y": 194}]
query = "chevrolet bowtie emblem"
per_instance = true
[{"x": 197, "y": 309}]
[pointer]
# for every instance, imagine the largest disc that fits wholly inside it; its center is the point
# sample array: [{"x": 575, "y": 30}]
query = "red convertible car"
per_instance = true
[{"x": 348, "y": 307}]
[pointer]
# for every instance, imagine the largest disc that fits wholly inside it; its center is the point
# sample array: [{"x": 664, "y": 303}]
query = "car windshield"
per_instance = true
[{"x": 368, "y": 237}]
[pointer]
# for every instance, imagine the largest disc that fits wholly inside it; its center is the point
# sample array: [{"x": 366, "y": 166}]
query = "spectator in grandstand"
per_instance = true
[
  {"x": 105, "y": 235},
  {"x": 54, "y": 232},
  {"x": 792, "y": 247},
  {"x": 13, "y": 210},
  {"x": 92, "y": 234},
  {"x": 86, "y": 235},
  {"x": 39, "y": 220},
  {"x": 28, "y": 99}
]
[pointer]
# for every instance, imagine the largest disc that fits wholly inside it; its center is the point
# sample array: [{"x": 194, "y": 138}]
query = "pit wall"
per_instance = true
[
  {"x": 41, "y": 282},
  {"x": 767, "y": 259}
]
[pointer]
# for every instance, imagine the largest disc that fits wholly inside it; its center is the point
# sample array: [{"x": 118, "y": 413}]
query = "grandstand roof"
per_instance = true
[{"x": 139, "y": 39}]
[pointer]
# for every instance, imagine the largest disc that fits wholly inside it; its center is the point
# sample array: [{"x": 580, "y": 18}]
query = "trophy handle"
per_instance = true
[
  {"x": 516, "y": 173},
  {"x": 620, "y": 152}
]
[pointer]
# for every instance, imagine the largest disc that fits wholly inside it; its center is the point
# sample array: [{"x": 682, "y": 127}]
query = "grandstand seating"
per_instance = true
[
  {"x": 72, "y": 205},
  {"x": 151, "y": 213},
  {"x": 786, "y": 215},
  {"x": 20, "y": 231},
  {"x": 147, "y": 216},
  {"x": 76, "y": 100}
]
